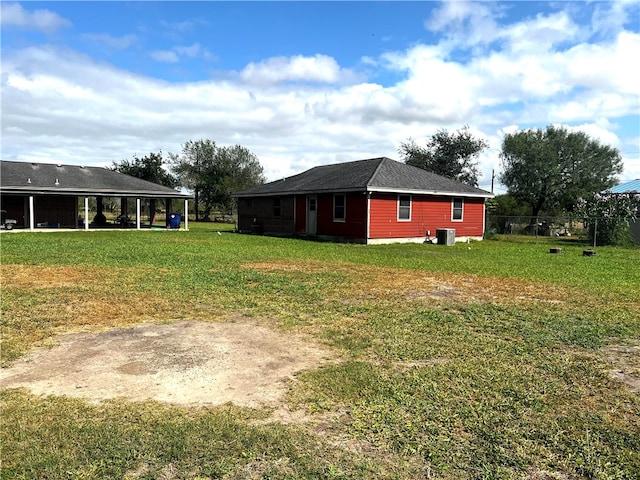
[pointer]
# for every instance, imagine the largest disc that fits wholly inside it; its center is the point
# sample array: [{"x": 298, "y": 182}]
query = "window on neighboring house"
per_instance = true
[
  {"x": 457, "y": 207},
  {"x": 404, "y": 208},
  {"x": 276, "y": 207},
  {"x": 339, "y": 208}
]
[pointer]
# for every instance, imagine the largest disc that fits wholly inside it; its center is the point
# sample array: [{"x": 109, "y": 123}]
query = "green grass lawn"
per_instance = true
[{"x": 481, "y": 360}]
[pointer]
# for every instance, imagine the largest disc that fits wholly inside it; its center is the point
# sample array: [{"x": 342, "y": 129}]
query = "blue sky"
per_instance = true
[{"x": 308, "y": 83}]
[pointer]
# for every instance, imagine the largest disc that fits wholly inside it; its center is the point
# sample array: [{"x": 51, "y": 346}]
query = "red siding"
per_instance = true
[
  {"x": 301, "y": 214},
  {"x": 427, "y": 213},
  {"x": 355, "y": 224}
]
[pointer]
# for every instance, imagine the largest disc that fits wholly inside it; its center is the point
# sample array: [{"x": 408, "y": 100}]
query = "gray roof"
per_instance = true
[
  {"x": 627, "y": 187},
  {"x": 26, "y": 178},
  {"x": 372, "y": 175}
]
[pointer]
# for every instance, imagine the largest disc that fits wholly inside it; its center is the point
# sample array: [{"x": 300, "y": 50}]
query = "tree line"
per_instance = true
[
  {"x": 546, "y": 171},
  {"x": 550, "y": 171},
  {"x": 211, "y": 172}
]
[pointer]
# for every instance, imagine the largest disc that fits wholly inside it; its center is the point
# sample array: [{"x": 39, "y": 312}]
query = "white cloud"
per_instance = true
[
  {"x": 119, "y": 43},
  {"x": 12, "y": 14},
  {"x": 299, "y": 111},
  {"x": 180, "y": 27},
  {"x": 599, "y": 130},
  {"x": 176, "y": 53},
  {"x": 319, "y": 68},
  {"x": 165, "y": 56},
  {"x": 541, "y": 34},
  {"x": 189, "y": 51},
  {"x": 605, "y": 64},
  {"x": 611, "y": 17},
  {"x": 465, "y": 23}
]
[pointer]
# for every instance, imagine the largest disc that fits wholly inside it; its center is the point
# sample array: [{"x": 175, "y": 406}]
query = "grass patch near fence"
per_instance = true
[{"x": 481, "y": 360}]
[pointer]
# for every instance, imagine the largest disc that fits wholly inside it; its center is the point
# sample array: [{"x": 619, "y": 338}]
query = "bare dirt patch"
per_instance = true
[
  {"x": 625, "y": 364},
  {"x": 188, "y": 362}
]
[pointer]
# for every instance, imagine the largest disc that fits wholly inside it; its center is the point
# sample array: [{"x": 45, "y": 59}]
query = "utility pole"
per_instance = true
[{"x": 493, "y": 176}]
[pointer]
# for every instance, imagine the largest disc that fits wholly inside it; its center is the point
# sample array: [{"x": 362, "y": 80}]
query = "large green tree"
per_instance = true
[
  {"x": 551, "y": 169},
  {"x": 453, "y": 155},
  {"x": 213, "y": 173},
  {"x": 151, "y": 168}
]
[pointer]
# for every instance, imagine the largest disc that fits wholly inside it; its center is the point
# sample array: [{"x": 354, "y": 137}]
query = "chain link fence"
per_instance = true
[
  {"x": 541, "y": 226},
  {"x": 547, "y": 226}
]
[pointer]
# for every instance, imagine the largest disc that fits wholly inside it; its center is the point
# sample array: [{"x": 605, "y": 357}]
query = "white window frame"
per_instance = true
[
  {"x": 453, "y": 209},
  {"x": 404, "y": 207},
  {"x": 344, "y": 208}
]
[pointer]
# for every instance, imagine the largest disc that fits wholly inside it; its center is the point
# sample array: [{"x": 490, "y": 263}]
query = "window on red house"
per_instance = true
[
  {"x": 339, "y": 208},
  {"x": 404, "y": 208},
  {"x": 457, "y": 208}
]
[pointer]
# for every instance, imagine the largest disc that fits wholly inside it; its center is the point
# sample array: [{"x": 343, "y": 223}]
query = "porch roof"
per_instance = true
[{"x": 26, "y": 178}]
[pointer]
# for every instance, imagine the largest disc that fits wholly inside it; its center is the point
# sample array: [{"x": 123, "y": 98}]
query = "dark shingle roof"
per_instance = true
[
  {"x": 25, "y": 178},
  {"x": 372, "y": 175}
]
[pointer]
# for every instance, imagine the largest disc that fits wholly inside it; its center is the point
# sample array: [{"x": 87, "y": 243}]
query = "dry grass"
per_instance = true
[
  {"x": 99, "y": 297},
  {"x": 50, "y": 300},
  {"x": 365, "y": 281}
]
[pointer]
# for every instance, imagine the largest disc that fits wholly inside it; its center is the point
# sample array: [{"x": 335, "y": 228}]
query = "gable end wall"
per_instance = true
[{"x": 428, "y": 213}]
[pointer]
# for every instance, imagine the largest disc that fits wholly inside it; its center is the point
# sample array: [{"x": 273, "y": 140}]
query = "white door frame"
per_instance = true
[{"x": 312, "y": 220}]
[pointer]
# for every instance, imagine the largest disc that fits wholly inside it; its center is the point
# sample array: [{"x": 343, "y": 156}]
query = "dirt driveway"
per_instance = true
[{"x": 188, "y": 362}]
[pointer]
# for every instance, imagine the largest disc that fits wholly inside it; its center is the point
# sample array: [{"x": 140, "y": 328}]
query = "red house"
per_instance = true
[{"x": 368, "y": 201}]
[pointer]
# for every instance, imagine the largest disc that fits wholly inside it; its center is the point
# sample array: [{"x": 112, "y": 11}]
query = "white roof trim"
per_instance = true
[
  {"x": 26, "y": 190},
  {"x": 428, "y": 192},
  {"x": 368, "y": 190}
]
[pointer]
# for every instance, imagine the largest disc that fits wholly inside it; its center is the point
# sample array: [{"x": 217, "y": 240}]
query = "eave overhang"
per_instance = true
[
  {"x": 75, "y": 192},
  {"x": 432, "y": 193}
]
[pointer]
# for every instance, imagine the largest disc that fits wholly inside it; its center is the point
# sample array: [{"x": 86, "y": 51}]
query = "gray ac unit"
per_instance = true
[{"x": 446, "y": 236}]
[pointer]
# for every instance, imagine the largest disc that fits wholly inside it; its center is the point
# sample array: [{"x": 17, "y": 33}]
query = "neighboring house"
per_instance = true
[
  {"x": 368, "y": 201},
  {"x": 48, "y": 195},
  {"x": 632, "y": 186}
]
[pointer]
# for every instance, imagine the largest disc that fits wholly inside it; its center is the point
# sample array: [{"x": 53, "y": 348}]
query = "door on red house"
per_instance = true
[{"x": 312, "y": 215}]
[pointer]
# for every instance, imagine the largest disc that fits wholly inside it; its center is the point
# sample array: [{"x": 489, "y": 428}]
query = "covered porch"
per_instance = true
[
  {"x": 38, "y": 195},
  {"x": 51, "y": 212}
]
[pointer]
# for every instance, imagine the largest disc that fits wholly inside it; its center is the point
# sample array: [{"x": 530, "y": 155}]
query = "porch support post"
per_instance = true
[
  {"x": 168, "y": 209},
  {"x": 138, "y": 213},
  {"x": 86, "y": 213},
  {"x": 484, "y": 216},
  {"x": 123, "y": 207},
  {"x": 32, "y": 216},
  {"x": 186, "y": 215},
  {"x": 368, "y": 219}
]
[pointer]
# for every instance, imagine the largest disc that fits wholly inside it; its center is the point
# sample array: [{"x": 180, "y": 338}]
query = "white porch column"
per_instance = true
[
  {"x": 32, "y": 214},
  {"x": 186, "y": 215},
  {"x": 86, "y": 213},
  {"x": 368, "y": 219},
  {"x": 138, "y": 213}
]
